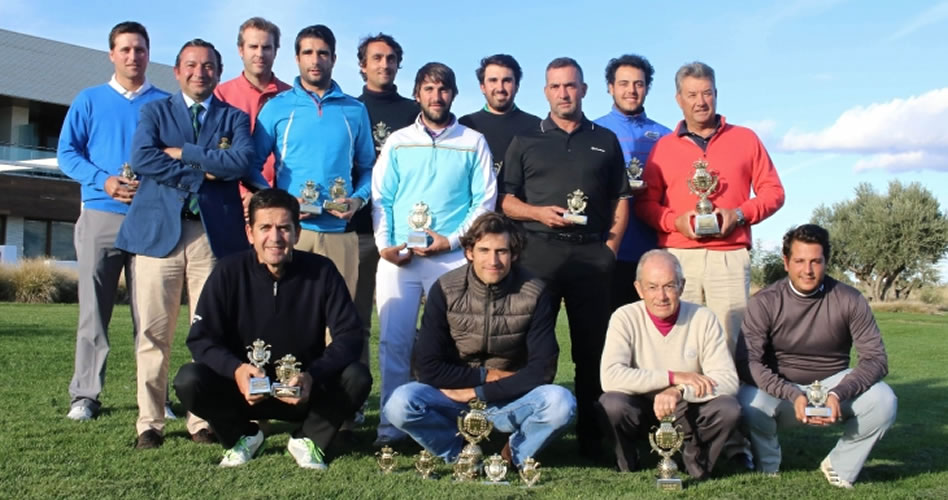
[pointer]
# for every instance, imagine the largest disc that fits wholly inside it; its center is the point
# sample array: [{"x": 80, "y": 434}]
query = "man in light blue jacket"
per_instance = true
[{"x": 319, "y": 136}]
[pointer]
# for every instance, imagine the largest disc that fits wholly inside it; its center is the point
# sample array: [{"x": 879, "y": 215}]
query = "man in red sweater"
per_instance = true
[{"x": 716, "y": 266}]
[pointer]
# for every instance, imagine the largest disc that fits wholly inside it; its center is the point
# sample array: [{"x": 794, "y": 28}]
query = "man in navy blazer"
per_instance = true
[{"x": 189, "y": 150}]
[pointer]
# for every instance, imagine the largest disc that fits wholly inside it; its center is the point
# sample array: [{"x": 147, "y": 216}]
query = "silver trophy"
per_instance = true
[
  {"x": 530, "y": 472},
  {"x": 310, "y": 196},
  {"x": 633, "y": 172},
  {"x": 495, "y": 468},
  {"x": 418, "y": 221},
  {"x": 259, "y": 356},
  {"x": 816, "y": 396},
  {"x": 575, "y": 206}
]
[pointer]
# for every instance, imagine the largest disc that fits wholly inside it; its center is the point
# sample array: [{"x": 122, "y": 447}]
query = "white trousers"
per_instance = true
[{"x": 398, "y": 292}]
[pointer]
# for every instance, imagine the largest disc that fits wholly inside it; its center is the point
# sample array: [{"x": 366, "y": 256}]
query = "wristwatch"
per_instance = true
[{"x": 740, "y": 217}]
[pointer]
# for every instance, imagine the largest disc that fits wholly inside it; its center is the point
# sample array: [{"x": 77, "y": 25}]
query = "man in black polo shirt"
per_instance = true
[
  {"x": 500, "y": 119},
  {"x": 570, "y": 161}
]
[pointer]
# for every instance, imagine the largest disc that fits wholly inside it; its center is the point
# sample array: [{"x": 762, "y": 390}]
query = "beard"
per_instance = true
[
  {"x": 437, "y": 117},
  {"x": 502, "y": 108}
]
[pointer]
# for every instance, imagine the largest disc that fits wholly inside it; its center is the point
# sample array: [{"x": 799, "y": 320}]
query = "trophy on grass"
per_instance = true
[
  {"x": 816, "y": 396},
  {"x": 495, "y": 468},
  {"x": 386, "y": 459},
  {"x": 425, "y": 463},
  {"x": 418, "y": 221},
  {"x": 575, "y": 206},
  {"x": 666, "y": 440},
  {"x": 633, "y": 172},
  {"x": 704, "y": 184},
  {"x": 310, "y": 196},
  {"x": 127, "y": 173},
  {"x": 259, "y": 356},
  {"x": 474, "y": 426},
  {"x": 286, "y": 368},
  {"x": 530, "y": 472},
  {"x": 337, "y": 190}
]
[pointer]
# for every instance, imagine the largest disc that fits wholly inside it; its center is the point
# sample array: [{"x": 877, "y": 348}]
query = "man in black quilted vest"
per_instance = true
[{"x": 487, "y": 333}]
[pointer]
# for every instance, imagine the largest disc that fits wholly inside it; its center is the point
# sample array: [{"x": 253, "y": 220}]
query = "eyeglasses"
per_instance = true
[{"x": 670, "y": 289}]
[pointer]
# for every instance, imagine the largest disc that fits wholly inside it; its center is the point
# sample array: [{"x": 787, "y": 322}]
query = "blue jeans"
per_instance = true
[{"x": 431, "y": 419}]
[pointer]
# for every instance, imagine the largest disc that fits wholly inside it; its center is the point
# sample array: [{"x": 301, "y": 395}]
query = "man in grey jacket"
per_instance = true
[{"x": 798, "y": 331}]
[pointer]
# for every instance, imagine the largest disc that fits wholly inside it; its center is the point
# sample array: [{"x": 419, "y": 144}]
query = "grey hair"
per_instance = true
[
  {"x": 695, "y": 69},
  {"x": 665, "y": 254}
]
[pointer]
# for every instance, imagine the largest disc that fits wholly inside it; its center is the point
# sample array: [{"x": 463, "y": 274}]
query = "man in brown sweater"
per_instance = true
[
  {"x": 798, "y": 331},
  {"x": 667, "y": 357}
]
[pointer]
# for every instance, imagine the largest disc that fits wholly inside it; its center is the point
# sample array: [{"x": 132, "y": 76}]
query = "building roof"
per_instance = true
[{"x": 39, "y": 69}]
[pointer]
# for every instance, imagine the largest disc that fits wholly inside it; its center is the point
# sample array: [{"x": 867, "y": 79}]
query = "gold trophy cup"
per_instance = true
[
  {"x": 530, "y": 472},
  {"x": 474, "y": 427},
  {"x": 666, "y": 440},
  {"x": 425, "y": 463},
  {"x": 286, "y": 368},
  {"x": 386, "y": 459},
  {"x": 704, "y": 184},
  {"x": 336, "y": 191}
]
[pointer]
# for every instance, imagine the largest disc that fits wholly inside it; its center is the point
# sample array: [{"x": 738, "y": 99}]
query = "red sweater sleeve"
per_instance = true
[{"x": 768, "y": 190}]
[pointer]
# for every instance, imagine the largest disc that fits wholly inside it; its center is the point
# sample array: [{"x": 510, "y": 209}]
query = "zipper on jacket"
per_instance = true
[
  {"x": 275, "y": 286},
  {"x": 486, "y": 345}
]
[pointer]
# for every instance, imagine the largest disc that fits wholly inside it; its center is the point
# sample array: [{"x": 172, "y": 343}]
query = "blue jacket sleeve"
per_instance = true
[
  {"x": 364, "y": 157},
  {"x": 226, "y": 164},
  {"x": 149, "y": 158}
]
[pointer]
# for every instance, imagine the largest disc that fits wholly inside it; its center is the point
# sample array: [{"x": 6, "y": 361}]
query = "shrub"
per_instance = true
[
  {"x": 35, "y": 282},
  {"x": 6, "y": 284},
  {"x": 932, "y": 295}
]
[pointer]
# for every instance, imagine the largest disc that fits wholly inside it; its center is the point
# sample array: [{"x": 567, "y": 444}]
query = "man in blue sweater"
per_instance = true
[
  {"x": 94, "y": 144},
  {"x": 320, "y": 136},
  {"x": 629, "y": 78}
]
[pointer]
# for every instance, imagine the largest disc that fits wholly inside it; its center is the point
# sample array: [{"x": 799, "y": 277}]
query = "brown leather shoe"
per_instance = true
[
  {"x": 507, "y": 455},
  {"x": 204, "y": 436},
  {"x": 149, "y": 439}
]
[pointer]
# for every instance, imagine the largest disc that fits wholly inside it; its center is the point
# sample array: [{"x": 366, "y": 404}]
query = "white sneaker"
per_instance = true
[
  {"x": 169, "y": 414},
  {"x": 827, "y": 468},
  {"x": 80, "y": 413},
  {"x": 306, "y": 453},
  {"x": 243, "y": 451}
]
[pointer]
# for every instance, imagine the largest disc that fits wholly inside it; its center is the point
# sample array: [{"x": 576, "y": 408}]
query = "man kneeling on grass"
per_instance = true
[
  {"x": 487, "y": 333},
  {"x": 799, "y": 331},
  {"x": 285, "y": 299}
]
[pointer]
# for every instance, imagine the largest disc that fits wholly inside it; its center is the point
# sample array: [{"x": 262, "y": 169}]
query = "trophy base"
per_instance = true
[
  {"x": 311, "y": 209},
  {"x": 671, "y": 484},
  {"x": 417, "y": 239},
  {"x": 337, "y": 206},
  {"x": 822, "y": 411},
  {"x": 576, "y": 219},
  {"x": 636, "y": 184},
  {"x": 707, "y": 225},
  {"x": 495, "y": 482},
  {"x": 260, "y": 385},
  {"x": 286, "y": 391}
]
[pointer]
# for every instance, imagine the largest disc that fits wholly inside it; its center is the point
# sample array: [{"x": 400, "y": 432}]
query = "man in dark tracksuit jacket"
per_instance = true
[
  {"x": 487, "y": 333},
  {"x": 286, "y": 299}
]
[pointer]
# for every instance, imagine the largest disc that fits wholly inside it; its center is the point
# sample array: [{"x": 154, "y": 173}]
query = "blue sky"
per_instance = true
[{"x": 841, "y": 92}]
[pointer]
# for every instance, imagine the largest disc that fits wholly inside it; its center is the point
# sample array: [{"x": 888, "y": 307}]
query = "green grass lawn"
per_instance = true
[{"x": 44, "y": 455}]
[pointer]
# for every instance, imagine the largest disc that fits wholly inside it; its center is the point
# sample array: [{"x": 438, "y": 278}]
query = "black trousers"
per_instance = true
[
  {"x": 707, "y": 427},
  {"x": 623, "y": 287},
  {"x": 581, "y": 275},
  {"x": 218, "y": 400}
]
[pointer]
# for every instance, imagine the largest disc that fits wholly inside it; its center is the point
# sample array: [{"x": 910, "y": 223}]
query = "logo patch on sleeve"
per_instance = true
[{"x": 653, "y": 135}]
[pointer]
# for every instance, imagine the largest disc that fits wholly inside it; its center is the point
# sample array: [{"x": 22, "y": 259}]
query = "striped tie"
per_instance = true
[{"x": 196, "y": 109}]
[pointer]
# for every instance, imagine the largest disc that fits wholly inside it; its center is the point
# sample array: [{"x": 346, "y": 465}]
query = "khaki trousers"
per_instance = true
[
  {"x": 343, "y": 250},
  {"x": 719, "y": 279},
  {"x": 156, "y": 293}
]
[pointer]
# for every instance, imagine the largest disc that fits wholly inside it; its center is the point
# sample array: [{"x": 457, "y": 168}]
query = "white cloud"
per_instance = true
[
  {"x": 933, "y": 15},
  {"x": 901, "y": 134},
  {"x": 911, "y": 160}
]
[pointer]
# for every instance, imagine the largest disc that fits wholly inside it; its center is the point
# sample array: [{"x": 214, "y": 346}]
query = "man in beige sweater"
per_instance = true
[{"x": 667, "y": 357}]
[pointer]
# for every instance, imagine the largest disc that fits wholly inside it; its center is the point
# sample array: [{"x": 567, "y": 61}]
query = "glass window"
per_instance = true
[
  {"x": 61, "y": 246},
  {"x": 34, "y": 238},
  {"x": 3, "y": 229}
]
